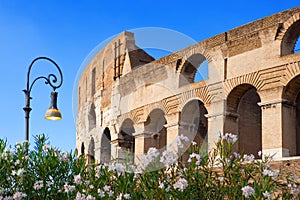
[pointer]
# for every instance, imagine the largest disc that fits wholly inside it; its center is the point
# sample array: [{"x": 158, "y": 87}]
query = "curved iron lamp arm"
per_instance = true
[{"x": 50, "y": 80}]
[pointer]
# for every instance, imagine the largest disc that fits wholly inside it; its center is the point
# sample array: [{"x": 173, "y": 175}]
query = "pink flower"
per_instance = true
[
  {"x": 38, "y": 185},
  {"x": 19, "y": 195},
  {"x": 77, "y": 179},
  {"x": 90, "y": 197}
]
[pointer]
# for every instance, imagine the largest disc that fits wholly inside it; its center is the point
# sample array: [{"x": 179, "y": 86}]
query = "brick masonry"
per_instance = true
[{"x": 251, "y": 90}]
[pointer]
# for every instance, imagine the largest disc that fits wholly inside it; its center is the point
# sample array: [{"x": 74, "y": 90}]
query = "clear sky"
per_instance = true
[{"x": 68, "y": 30}]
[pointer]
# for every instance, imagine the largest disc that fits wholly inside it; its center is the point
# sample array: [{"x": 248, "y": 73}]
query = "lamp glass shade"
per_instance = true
[{"x": 53, "y": 113}]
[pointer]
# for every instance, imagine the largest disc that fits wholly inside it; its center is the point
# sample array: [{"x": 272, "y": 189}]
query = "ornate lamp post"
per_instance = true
[{"x": 52, "y": 113}]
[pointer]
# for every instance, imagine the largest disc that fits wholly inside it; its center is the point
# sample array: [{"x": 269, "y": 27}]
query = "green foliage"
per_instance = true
[{"x": 48, "y": 173}]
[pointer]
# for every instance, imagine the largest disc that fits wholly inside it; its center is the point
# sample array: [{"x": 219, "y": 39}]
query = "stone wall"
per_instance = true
[{"x": 255, "y": 62}]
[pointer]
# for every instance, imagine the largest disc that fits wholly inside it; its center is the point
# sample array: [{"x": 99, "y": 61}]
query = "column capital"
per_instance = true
[
  {"x": 274, "y": 103},
  {"x": 232, "y": 114},
  {"x": 170, "y": 125},
  {"x": 214, "y": 115},
  {"x": 145, "y": 134}
]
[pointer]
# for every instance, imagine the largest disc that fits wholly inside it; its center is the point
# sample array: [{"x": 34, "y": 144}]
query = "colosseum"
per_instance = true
[{"x": 129, "y": 102}]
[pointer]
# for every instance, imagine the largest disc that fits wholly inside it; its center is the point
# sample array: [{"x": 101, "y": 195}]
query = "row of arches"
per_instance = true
[
  {"x": 243, "y": 117},
  {"x": 105, "y": 153},
  {"x": 243, "y": 113},
  {"x": 194, "y": 126},
  {"x": 195, "y": 67}
]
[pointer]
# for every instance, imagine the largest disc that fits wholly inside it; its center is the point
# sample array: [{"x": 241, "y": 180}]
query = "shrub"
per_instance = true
[{"x": 48, "y": 173}]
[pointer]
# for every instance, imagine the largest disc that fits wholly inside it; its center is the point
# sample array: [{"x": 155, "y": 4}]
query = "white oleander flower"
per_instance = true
[
  {"x": 80, "y": 196},
  {"x": 168, "y": 158},
  {"x": 69, "y": 188},
  {"x": 181, "y": 184},
  {"x": 221, "y": 179},
  {"x": 106, "y": 188},
  {"x": 101, "y": 193},
  {"x": 161, "y": 185},
  {"x": 179, "y": 140},
  {"x": 267, "y": 195},
  {"x": 259, "y": 153},
  {"x": 77, "y": 179},
  {"x": 248, "y": 191},
  {"x": 197, "y": 156},
  {"x": 229, "y": 137},
  {"x": 249, "y": 158},
  {"x": 38, "y": 185},
  {"x": 19, "y": 196},
  {"x": 126, "y": 196},
  {"x": 90, "y": 197},
  {"x": 110, "y": 193},
  {"x": 120, "y": 168},
  {"x": 272, "y": 174},
  {"x": 149, "y": 157}
]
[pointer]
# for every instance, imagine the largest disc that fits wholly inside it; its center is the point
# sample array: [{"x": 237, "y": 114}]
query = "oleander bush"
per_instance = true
[{"x": 48, "y": 173}]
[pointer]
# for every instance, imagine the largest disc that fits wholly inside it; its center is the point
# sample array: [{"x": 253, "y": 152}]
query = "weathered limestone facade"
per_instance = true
[{"x": 129, "y": 102}]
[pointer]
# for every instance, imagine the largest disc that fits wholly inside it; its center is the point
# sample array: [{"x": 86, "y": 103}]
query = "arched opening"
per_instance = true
[
  {"x": 91, "y": 151},
  {"x": 92, "y": 118},
  {"x": 82, "y": 149},
  {"x": 155, "y": 128},
  {"x": 291, "y": 116},
  {"x": 93, "y": 82},
  {"x": 290, "y": 41},
  {"x": 297, "y": 46},
  {"x": 298, "y": 124},
  {"x": 244, "y": 118},
  {"x": 76, "y": 152},
  {"x": 194, "y": 69},
  {"x": 126, "y": 140},
  {"x": 194, "y": 125},
  {"x": 105, "y": 154}
]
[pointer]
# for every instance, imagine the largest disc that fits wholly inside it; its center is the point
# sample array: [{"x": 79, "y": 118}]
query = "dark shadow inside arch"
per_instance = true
[
  {"x": 76, "y": 152},
  {"x": 298, "y": 124},
  {"x": 245, "y": 119},
  {"x": 91, "y": 151},
  {"x": 82, "y": 149},
  {"x": 291, "y": 132},
  {"x": 92, "y": 118},
  {"x": 126, "y": 140},
  {"x": 194, "y": 125},
  {"x": 105, "y": 154},
  {"x": 156, "y": 130}
]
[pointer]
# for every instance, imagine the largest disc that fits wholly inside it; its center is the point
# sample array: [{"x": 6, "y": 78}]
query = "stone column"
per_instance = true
[
  {"x": 172, "y": 129},
  {"x": 289, "y": 130},
  {"x": 216, "y": 119},
  {"x": 115, "y": 149},
  {"x": 142, "y": 141},
  {"x": 278, "y": 128},
  {"x": 231, "y": 125}
]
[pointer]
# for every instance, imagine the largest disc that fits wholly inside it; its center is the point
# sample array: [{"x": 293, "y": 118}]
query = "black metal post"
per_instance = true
[
  {"x": 50, "y": 80},
  {"x": 27, "y": 110}
]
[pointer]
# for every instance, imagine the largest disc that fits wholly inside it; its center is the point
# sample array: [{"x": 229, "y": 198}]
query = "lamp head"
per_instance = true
[{"x": 53, "y": 113}]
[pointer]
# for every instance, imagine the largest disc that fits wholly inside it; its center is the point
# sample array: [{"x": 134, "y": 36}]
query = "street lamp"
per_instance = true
[{"x": 52, "y": 113}]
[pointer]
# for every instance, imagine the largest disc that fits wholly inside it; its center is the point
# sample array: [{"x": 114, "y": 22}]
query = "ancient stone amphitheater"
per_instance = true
[{"x": 128, "y": 101}]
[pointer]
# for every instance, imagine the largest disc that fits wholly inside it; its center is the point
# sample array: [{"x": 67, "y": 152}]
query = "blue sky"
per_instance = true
[{"x": 67, "y": 31}]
